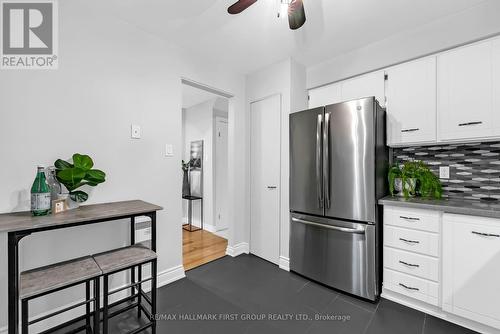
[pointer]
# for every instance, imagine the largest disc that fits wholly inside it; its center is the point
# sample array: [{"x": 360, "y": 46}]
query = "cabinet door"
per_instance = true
[
  {"x": 496, "y": 87},
  {"x": 323, "y": 96},
  {"x": 471, "y": 268},
  {"x": 465, "y": 93},
  {"x": 411, "y": 103},
  {"x": 371, "y": 84}
]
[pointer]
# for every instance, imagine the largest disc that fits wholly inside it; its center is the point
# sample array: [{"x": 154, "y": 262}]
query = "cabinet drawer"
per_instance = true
[
  {"x": 411, "y": 286},
  {"x": 419, "y": 265},
  {"x": 415, "y": 241},
  {"x": 424, "y": 220}
]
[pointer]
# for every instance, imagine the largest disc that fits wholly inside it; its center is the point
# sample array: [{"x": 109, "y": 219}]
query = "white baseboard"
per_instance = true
[
  {"x": 209, "y": 228},
  {"x": 437, "y": 312},
  {"x": 238, "y": 249},
  {"x": 164, "y": 277},
  {"x": 284, "y": 263},
  {"x": 170, "y": 275}
]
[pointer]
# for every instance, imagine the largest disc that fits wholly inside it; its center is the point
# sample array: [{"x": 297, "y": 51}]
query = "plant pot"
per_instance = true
[{"x": 410, "y": 186}]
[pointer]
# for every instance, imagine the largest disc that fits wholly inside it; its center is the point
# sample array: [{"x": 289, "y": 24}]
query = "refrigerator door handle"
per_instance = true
[
  {"x": 319, "y": 183},
  {"x": 326, "y": 160},
  {"x": 360, "y": 230}
]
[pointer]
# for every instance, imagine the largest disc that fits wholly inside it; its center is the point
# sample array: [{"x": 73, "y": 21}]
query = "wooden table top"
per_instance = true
[{"x": 24, "y": 221}]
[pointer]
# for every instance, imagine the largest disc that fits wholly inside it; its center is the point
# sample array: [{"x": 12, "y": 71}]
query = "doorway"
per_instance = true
[
  {"x": 205, "y": 225},
  {"x": 265, "y": 156}
]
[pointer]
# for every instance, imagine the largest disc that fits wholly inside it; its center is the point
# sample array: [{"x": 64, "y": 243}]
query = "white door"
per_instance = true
[
  {"x": 465, "y": 93},
  {"x": 471, "y": 268},
  {"x": 265, "y": 178},
  {"x": 221, "y": 162},
  {"x": 371, "y": 84},
  {"x": 496, "y": 87},
  {"x": 411, "y": 102},
  {"x": 323, "y": 96}
]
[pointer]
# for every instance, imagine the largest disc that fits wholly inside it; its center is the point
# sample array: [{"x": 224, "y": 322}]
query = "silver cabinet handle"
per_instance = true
[
  {"x": 326, "y": 161},
  {"x": 331, "y": 227},
  {"x": 486, "y": 234},
  {"x": 272, "y": 187},
  {"x": 319, "y": 181},
  {"x": 410, "y": 130},
  {"x": 409, "y": 264},
  {"x": 409, "y": 241},
  {"x": 409, "y": 218},
  {"x": 470, "y": 123},
  {"x": 409, "y": 287}
]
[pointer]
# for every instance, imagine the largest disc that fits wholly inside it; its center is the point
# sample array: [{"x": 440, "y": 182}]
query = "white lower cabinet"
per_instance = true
[
  {"x": 444, "y": 264},
  {"x": 471, "y": 268}
]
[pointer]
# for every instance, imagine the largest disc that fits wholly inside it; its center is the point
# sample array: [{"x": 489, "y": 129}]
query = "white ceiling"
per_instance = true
[
  {"x": 256, "y": 37},
  {"x": 192, "y": 96}
]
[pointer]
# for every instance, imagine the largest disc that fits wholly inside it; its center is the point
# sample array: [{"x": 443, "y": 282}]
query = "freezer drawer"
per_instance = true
[{"x": 336, "y": 253}]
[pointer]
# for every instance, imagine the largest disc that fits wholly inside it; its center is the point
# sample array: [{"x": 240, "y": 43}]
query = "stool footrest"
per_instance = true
[
  {"x": 66, "y": 309},
  {"x": 129, "y": 286}
]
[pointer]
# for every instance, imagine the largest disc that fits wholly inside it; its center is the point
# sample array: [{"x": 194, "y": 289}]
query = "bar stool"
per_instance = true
[
  {"x": 119, "y": 260},
  {"x": 45, "y": 280}
]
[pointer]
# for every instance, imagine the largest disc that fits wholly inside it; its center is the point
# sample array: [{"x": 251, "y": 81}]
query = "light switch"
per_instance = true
[
  {"x": 444, "y": 172},
  {"x": 135, "y": 131},
  {"x": 169, "y": 150}
]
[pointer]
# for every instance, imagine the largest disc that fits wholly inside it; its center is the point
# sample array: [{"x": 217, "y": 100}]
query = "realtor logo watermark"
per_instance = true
[{"x": 29, "y": 38}]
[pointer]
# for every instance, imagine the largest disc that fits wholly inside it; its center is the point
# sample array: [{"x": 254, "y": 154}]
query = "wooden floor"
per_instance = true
[{"x": 201, "y": 247}]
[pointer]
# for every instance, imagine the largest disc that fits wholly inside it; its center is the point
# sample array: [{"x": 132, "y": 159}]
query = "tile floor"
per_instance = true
[{"x": 247, "y": 286}]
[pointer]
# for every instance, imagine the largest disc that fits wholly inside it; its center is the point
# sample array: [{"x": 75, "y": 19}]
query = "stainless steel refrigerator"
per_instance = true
[{"x": 338, "y": 164}]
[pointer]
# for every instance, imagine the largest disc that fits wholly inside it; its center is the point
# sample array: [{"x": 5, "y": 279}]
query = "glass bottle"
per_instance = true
[
  {"x": 40, "y": 194},
  {"x": 54, "y": 184}
]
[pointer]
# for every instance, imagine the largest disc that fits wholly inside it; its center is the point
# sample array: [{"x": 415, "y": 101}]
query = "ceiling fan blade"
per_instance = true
[
  {"x": 240, "y": 6},
  {"x": 296, "y": 14}
]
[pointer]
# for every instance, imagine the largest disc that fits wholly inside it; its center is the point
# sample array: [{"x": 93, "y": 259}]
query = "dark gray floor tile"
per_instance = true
[
  {"x": 364, "y": 304},
  {"x": 316, "y": 296},
  {"x": 341, "y": 317},
  {"x": 393, "y": 318},
  {"x": 435, "y": 325}
]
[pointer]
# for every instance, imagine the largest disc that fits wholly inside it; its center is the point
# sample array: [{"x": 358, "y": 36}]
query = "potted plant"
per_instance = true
[
  {"x": 414, "y": 178},
  {"x": 77, "y": 174}
]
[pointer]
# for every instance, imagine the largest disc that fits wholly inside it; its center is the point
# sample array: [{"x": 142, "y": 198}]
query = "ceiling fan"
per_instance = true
[{"x": 296, "y": 12}]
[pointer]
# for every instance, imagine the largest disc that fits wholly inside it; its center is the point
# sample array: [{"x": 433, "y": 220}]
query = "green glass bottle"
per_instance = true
[{"x": 40, "y": 194}]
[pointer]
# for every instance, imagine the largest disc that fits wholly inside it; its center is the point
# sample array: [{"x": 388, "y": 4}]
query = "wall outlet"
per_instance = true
[
  {"x": 135, "y": 132},
  {"x": 444, "y": 172},
  {"x": 169, "y": 150}
]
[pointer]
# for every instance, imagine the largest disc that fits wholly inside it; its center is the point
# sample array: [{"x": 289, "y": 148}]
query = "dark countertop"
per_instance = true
[
  {"x": 24, "y": 221},
  {"x": 461, "y": 207}
]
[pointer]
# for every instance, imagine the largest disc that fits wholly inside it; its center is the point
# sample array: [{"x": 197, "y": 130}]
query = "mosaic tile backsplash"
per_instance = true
[{"x": 474, "y": 168}]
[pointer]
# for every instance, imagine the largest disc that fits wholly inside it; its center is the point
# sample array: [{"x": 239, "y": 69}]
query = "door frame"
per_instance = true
[
  {"x": 280, "y": 171},
  {"x": 219, "y": 119}
]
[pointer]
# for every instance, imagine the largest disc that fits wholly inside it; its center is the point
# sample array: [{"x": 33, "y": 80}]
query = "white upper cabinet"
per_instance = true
[
  {"x": 325, "y": 95},
  {"x": 411, "y": 103},
  {"x": 465, "y": 93},
  {"x": 371, "y": 84},
  {"x": 471, "y": 268}
]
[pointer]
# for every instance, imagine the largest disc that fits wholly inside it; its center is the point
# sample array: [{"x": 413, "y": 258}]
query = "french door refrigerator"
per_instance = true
[{"x": 338, "y": 164}]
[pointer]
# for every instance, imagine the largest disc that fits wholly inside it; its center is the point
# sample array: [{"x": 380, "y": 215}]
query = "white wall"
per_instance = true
[
  {"x": 288, "y": 79},
  {"x": 110, "y": 75},
  {"x": 478, "y": 22}
]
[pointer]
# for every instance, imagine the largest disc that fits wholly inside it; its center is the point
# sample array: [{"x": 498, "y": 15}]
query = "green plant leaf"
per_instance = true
[
  {"x": 95, "y": 176},
  {"x": 83, "y": 161},
  {"x": 62, "y": 164},
  {"x": 79, "y": 196},
  {"x": 70, "y": 177}
]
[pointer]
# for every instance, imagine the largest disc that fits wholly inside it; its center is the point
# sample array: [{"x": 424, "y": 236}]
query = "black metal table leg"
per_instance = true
[
  {"x": 105, "y": 308},
  {"x": 132, "y": 242},
  {"x": 13, "y": 279},
  {"x": 153, "y": 231},
  {"x": 24, "y": 317},
  {"x": 139, "y": 290},
  {"x": 87, "y": 306},
  {"x": 154, "y": 275}
]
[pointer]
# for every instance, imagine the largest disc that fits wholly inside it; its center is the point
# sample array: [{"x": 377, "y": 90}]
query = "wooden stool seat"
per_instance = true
[
  {"x": 53, "y": 277},
  {"x": 119, "y": 259}
]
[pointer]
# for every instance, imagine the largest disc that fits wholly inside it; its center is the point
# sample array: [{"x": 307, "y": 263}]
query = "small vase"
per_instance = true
[
  {"x": 186, "y": 189},
  {"x": 70, "y": 204}
]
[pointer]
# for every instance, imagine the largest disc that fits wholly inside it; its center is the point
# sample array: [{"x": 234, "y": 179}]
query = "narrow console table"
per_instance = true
[
  {"x": 21, "y": 224},
  {"x": 189, "y": 226}
]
